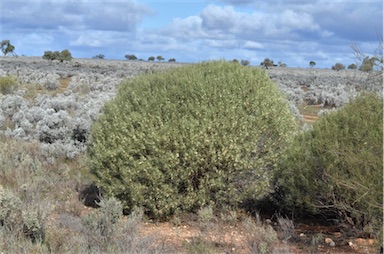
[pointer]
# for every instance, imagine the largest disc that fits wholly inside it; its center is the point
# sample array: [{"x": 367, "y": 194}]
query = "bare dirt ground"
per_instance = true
[{"x": 231, "y": 239}]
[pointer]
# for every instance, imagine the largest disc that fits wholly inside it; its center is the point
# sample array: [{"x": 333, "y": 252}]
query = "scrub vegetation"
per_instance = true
[{"x": 205, "y": 147}]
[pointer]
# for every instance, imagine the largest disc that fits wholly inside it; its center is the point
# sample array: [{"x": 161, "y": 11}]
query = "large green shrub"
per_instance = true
[
  {"x": 195, "y": 135},
  {"x": 337, "y": 167}
]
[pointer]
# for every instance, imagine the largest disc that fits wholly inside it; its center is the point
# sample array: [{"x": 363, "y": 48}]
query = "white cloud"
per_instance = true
[
  {"x": 185, "y": 29},
  {"x": 51, "y": 14},
  {"x": 223, "y": 43},
  {"x": 253, "y": 45},
  {"x": 221, "y": 18},
  {"x": 296, "y": 20}
]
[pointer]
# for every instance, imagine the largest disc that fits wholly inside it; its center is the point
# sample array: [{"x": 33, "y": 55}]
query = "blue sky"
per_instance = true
[{"x": 294, "y": 32}]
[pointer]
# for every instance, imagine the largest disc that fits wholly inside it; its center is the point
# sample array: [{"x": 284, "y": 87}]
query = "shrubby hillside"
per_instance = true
[
  {"x": 47, "y": 109},
  {"x": 56, "y": 102},
  {"x": 329, "y": 88}
]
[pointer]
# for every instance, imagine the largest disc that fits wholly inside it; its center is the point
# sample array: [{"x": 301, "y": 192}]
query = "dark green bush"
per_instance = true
[
  {"x": 7, "y": 85},
  {"x": 337, "y": 167},
  {"x": 192, "y": 136}
]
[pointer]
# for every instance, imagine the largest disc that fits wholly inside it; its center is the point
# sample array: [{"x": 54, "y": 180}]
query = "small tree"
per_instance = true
[
  {"x": 56, "y": 55},
  {"x": 7, "y": 47},
  {"x": 172, "y": 60},
  {"x": 151, "y": 58},
  {"x": 48, "y": 55},
  {"x": 352, "y": 67},
  {"x": 267, "y": 62},
  {"x": 160, "y": 58},
  {"x": 130, "y": 57},
  {"x": 244, "y": 62},
  {"x": 281, "y": 64},
  {"x": 338, "y": 67},
  {"x": 312, "y": 64},
  {"x": 235, "y": 61},
  {"x": 65, "y": 55},
  {"x": 99, "y": 56},
  {"x": 368, "y": 64}
]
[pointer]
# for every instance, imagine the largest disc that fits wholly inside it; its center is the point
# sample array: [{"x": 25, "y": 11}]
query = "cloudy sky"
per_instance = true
[{"x": 291, "y": 31}]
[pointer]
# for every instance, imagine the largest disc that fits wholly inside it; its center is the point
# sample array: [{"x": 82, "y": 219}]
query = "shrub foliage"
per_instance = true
[
  {"x": 337, "y": 167},
  {"x": 8, "y": 85},
  {"x": 208, "y": 133}
]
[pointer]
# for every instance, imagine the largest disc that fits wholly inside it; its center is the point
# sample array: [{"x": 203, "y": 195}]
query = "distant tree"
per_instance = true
[
  {"x": 235, "y": 61},
  {"x": 281, "y": 64},
  {"x": 312, "y": 63},
  {"x": 338, "y": 67},
  {"x": 244, "y": 62},
  {"x": 7, "y": 47},
  {"x": 99, "y": 56},
  {"x": 352, "y": 67},
  {"x": 368, "y": 63},
  {"x": 172, "y": 60},
  {"x": 160, "y": 58},
  {"x": 131, "y": 57},
  {"x": 65, "y": 55},
  {"x": 267, "y": 62},
  {"x": 151, "y": 58},
  {"x": 56, "y": 55},
  {"x": 48, "y": 55}
]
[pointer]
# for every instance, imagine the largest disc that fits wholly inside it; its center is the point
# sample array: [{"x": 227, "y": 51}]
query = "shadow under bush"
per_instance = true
[{"x": 208, "y": 133}]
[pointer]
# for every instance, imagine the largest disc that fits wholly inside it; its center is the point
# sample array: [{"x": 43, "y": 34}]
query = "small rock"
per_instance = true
[
  {"x": 302, "y": 235},
  {"x": 330, "y": 242}
]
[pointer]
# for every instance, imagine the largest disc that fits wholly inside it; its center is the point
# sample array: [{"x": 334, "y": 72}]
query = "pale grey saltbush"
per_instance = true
[
  {"x": 326, "y": 111},
  {"x": 294, "y": 95},
  {"x": 29, "y": 76},
  {"x": 54, "y": 126},
  {"x": 10, "y": 104},
  {"x": 60, "y": 102},
  {"x": 17, "y": 133},
  {"x": 295, "y": 111},
  {"x": 325, "y": 87},
  {"x": 70, "y": 150},
  {"x": 2, "y": 119},
  {"x": 35, "y": 114},
  {"x": 21, "y": 121},
  {"x": 95, "y": 82}
]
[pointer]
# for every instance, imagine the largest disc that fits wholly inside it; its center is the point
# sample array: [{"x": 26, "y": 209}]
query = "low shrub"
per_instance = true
[
  {"x": 336, "y": 168},
  {"x": 202, "y": 134},
  {"x": 260, "y": 238},
  {"x": 107, "y": 231},
  {"x": 8, "y": 85}
]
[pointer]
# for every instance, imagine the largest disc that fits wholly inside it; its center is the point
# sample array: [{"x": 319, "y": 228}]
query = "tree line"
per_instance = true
[{"x": 368, "y": 63}]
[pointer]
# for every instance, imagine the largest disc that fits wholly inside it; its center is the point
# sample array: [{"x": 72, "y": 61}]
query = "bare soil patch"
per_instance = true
[{"x": 232, "y": 239}]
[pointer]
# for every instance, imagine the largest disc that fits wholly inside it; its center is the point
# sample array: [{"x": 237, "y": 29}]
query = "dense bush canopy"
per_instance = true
[
  {"x": 337, "y": 167},
  {"x": 196, "y": 135}
]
